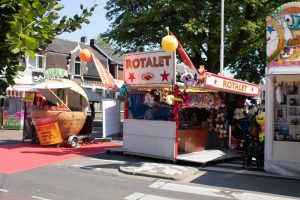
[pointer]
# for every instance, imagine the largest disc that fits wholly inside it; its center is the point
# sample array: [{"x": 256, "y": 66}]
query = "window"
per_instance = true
[
  {"x": 77, "y": 65},
  {"x": 37, "y": 62},
  {"x": 99, "y": 91},
  {"x": 14, "y": 104}
]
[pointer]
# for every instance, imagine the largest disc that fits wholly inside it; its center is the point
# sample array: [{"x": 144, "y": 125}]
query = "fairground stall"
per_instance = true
[
  {"x": 14, "y": 106},
  {"x": 62, "y": 114},
  {"x": 173, "y": 115},
  {"x": 282, "y": 91}
]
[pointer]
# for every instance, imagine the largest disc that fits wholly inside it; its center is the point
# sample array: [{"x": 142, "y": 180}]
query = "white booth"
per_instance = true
[
  {"x": 282, "y": 142},
  {"x": 181, "y": 134}
]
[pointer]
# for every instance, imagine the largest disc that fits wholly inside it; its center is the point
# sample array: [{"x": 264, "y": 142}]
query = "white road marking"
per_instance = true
[
  {"x": 214, "y": 192},
  {"x": 76, "y": 166},
  {"x": 157, "y": 184},
  {"x": 3, "y": 190},
  {"x": 111, "y": 161},
  {"x": 142, "y": 196},
  {"x": 134, "y": 196},
  {"x": 190, "y": 189},
  {"x": 40, "y": 198}
]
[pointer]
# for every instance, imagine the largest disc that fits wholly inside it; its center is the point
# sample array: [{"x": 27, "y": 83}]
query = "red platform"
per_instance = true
[{"x": 19, "y": 157}]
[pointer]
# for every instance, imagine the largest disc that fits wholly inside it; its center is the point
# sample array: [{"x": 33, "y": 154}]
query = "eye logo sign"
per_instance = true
[{"x": 148, "y": 76}]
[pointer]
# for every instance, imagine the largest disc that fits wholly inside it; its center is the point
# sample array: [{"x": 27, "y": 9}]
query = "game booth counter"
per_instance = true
[
  {"x": 13, "y": 106},
  {"x": 282, "y": 145},
  {"x": 173, "y": 115}
]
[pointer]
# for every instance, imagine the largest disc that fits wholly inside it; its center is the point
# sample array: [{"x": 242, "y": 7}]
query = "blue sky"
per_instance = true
[{"x": 98, "y": 24}]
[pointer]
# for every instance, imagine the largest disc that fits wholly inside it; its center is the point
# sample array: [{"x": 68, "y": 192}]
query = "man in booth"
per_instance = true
[{"x": 150, "y": 112}]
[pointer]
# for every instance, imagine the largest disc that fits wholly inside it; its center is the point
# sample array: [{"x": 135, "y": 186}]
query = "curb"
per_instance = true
[
  {"x": 131, "y": 170},
  {"x": 261, "y": 174}
]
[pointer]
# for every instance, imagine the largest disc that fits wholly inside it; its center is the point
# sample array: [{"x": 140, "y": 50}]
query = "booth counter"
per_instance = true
[
  {"x": 158, "y": 138},
  {"x": 149, "y": 137}
]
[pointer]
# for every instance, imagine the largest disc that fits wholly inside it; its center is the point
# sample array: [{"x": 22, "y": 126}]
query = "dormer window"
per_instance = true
[
  {"x": 77, "y": 66},
  {"x": 39, "y": 62}
]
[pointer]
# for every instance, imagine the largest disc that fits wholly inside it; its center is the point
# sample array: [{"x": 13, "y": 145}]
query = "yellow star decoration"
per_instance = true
[{"x": 280, "y": 60}]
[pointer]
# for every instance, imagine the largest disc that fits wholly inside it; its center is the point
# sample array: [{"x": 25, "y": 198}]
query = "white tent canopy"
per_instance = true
[{"x": 64, "y": 90}]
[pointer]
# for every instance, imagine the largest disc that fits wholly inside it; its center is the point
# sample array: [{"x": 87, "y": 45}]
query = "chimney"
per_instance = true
[
  {"x": 83, "y": 39},
  {"x": 141, "y": 48},
  {"x": 92, "y": 42}
]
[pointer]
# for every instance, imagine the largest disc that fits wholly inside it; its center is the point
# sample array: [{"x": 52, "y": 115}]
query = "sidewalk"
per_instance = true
[{"x": 10, "y": 136}]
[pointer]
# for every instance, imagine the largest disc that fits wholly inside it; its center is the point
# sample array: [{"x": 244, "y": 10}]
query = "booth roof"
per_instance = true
[
  {"x": 283, "y": 70},
  {"x": 93, "y": 96}
]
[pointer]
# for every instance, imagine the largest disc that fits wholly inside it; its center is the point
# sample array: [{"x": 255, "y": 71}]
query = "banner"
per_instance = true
[
  {"x": 154, "y": 67},
  {"x": 106, "y": 77},
  {"x": 221, "y": 83},
  {"x": 47, "y": 130},
  {"x": 283, "y": 36},
  {"x": 185, "y": 58},
  {"x": 12, "y": 121},
  {"x": 29, "y": 97}
]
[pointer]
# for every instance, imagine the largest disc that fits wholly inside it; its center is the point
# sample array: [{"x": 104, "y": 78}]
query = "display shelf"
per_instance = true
[
  {"x": 287, "y": 118},
  {"x": 279, "y": 123}
]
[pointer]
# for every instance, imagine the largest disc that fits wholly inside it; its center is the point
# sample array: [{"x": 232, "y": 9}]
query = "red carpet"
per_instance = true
[{"x": 19, "y": 157}]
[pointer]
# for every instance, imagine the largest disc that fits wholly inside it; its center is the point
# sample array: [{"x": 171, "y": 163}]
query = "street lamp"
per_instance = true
[{"x": 222, "y": 39}]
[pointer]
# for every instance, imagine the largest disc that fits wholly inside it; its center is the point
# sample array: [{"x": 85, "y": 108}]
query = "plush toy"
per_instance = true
[
  {"x": 248, "y": 103},
  {"x": 187, "y": 79},
  {"x": 279, "y": 95},
  {"x": 202, "y": 74},
  {"x": 238, "y": 114},
  {"x": 186, "y": 99},
  {"x": 170, "y": 99},
  {"x": 122, "y": 91},
  {"x": 260, "y": 119}
]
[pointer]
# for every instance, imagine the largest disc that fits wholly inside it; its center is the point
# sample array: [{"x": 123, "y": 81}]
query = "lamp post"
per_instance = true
[{"x": 222, "y": 39}]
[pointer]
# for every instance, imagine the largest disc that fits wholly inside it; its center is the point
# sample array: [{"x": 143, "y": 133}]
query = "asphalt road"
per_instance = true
[{"x": 97, "y": 177}]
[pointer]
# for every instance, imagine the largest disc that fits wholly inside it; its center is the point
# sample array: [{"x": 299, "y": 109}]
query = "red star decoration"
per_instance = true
[
  {"x": 131, "y": 76},
  {"x": 215, "y": 82},
  {"x": 164, "y": 76}
]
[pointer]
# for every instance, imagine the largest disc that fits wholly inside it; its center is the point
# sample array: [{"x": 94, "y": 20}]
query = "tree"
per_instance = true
[
  {"x": 100, "y": 42},
  {"x": 28, "y": 26},
  {"x": 197, "y": 25}
]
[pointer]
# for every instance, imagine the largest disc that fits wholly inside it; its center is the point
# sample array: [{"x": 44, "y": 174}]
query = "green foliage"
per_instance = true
[
  {"x": 197, "y": 25},
  {"x": 101, "y": 43},
  {"x": 28, "y": 26}
]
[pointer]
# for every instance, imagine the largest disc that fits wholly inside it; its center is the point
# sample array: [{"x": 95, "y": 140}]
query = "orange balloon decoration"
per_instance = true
[
  {"x": 169, "y": 43},
  {"x": 85, "y": 55}
]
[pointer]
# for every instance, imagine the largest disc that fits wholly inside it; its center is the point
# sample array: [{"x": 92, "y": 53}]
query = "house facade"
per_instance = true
[{"x": 62, "y": 54}]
